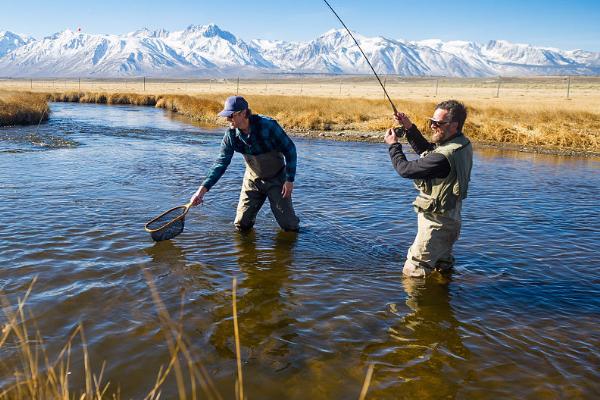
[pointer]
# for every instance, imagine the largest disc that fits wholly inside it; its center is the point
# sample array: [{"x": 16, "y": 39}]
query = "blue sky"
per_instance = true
[{"x": 563, "y": 24}]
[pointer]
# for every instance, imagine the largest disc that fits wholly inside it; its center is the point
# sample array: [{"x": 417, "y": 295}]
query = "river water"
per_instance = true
[{"x": 517, "y": 319}]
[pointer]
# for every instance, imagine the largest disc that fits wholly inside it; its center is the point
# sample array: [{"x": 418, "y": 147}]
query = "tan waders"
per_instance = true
[
  {"x": 264, "y": 178},
  {"x": 432, "y": 248}
]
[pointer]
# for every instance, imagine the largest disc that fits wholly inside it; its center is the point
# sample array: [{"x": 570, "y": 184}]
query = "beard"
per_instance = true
[{"x": 437, "y": 137}]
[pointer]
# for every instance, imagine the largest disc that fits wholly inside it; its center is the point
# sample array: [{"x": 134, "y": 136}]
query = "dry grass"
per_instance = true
[
  {"x": 583, "y": 91},
  {"x": 29, "y": 372},
  {"x": 526, "y": 125},
  {"x": 195, "y": 108},
  {"x": 536, "y": 127},
  {"x": 22, "y": 108},
  {"x": 103, "y": 98},
  {"x": 528, "y": 112},
  {"x": 39, "y": 377}
]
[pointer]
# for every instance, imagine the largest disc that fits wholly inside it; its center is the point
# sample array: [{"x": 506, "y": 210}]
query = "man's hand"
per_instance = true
[
  {"x": 403, "y": 120},
  {"x": 287, "y": 189},
  {"x": 198, "y": 197},
  {"x": 390, "y": 137}
]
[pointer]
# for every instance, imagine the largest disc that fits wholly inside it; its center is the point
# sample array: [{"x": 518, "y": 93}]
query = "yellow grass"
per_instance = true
[
  {"x": 532, "y": 112},
  {"x": 238, "y": 351},
  {"x": 366, "y": 383},
  {"x": 22, "y": 108},
  {"x": 39, "y": 375},
  {"x": 533, "y": 125},
  {"x": 548, "y": 92},
  {"x": 33, "y": 373}
]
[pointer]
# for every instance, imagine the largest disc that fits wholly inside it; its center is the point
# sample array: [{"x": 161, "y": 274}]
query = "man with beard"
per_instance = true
[{"x": 441, "y": 175}]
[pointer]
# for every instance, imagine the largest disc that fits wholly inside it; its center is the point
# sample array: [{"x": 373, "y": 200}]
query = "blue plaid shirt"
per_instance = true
[{"x": 265, "y": 136}]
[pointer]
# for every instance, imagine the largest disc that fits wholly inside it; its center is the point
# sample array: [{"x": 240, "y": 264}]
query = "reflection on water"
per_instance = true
[
  {"x": 264, "y": 297},
  {"x": 424, "y": 347},
  {"x": 519, "y": 315},
  {"x": 167, "y": 256}
]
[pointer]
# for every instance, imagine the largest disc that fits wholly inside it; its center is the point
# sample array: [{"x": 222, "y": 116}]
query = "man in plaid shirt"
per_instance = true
[{"x": 270, "y": 157}]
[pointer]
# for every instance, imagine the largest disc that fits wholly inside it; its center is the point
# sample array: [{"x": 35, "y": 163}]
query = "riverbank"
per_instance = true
[
  {"x": 23, "y": 108},
  {"x": 531, "y": 128}
]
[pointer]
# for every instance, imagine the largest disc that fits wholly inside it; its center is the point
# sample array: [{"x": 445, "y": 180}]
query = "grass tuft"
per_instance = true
[
  {"x": 28, "y": 371},
  {"x": 23, "y": 108}
]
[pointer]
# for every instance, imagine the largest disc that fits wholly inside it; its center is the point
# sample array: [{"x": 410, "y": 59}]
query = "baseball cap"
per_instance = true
[{"x": 233, "y": 104}]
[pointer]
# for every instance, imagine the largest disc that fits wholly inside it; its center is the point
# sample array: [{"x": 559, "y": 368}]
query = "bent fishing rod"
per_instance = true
[{"x": 364, "y": 55}]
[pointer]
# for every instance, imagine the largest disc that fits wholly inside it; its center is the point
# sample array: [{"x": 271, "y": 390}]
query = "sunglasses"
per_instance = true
[
  {"x": 235, "y": 113},
  {"x": 436, "y": 123}
]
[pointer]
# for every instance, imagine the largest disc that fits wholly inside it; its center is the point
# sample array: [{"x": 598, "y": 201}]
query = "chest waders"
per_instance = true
[
  {"x": 438, "y": 206},
  {"x": 265, "y": 166},
  {"x": 264, "y": 178}
]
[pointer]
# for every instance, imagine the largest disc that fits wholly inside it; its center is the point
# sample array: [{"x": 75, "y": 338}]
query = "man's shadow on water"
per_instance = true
[
  {"x": 423, "y": 348},
  {"x": 264, "y": 295}
]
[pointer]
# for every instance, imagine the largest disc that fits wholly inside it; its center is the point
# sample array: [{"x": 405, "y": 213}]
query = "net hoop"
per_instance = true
[{"x": 166, "y": 224}]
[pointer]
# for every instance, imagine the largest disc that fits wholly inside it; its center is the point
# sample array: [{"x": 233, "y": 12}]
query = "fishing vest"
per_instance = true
[
  {"x": 266, "y": 165},
  {"x": 441, "y": 195}
]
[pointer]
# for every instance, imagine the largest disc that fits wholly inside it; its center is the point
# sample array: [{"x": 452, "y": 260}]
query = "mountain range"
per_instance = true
[{"x": 208, "y": 51}]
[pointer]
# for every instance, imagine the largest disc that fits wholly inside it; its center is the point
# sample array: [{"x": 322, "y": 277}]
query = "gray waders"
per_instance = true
[{"x": 264, "y": 178}]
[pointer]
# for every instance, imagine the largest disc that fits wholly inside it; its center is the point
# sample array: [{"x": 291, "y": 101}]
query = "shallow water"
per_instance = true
[{"x": 519, "y": 317}]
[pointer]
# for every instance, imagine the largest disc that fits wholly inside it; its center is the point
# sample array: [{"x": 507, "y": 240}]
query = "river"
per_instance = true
[{"x": 517, "y": 319}]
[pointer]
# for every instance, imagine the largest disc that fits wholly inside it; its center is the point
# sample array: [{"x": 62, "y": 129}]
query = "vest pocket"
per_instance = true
[
  {"x": 423, "y": 185},
  {"x": 425, "y": 203}
]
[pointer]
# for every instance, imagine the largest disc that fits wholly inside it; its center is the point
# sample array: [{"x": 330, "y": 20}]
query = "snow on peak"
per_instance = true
[
  {"x": 10, "y": 41},
  {"x": 209, "y": 50},
  {"x": 209, "y": 31}
]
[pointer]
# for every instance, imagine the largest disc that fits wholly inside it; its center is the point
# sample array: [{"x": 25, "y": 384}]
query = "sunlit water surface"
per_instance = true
[{"x": 519, "y": 318}]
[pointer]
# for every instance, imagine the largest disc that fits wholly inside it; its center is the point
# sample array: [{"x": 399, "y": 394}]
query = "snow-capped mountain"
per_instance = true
[
  {"x": 10, "y": 41},
  {"x": 206, "y": 50},
  {"x": 336, "y": 52}
]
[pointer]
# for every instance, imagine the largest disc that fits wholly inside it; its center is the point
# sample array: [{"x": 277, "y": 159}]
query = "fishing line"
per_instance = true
[
  {"x": 39, "y": 123},
  {"x": 364, "y": 55}
]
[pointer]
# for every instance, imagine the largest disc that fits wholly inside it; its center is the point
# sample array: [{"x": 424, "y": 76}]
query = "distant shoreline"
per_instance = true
[{"x": 524, "y": 128}]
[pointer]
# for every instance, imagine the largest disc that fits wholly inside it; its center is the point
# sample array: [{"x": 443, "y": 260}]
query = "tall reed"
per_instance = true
[
  {"x": 28, "y": 371},
  {"x": 40, "y": 376}
]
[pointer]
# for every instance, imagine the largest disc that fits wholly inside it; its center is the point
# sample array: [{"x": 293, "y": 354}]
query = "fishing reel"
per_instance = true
[{"x": 400, "y": 132}]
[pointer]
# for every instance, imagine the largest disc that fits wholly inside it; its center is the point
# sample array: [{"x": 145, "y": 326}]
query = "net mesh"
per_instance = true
[
  {"x": 167, "y": 225},
  {"x": 168, "y": 232}
]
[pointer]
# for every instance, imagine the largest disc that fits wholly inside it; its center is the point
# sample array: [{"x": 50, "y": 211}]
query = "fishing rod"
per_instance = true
[{"x": 364, "y": 55}]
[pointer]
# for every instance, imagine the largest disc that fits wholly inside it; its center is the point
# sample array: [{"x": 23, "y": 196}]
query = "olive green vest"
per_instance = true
[{"x": 441, "y": 195}]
